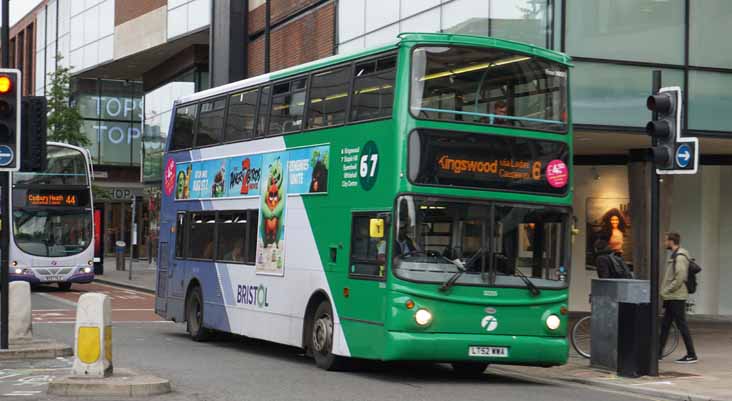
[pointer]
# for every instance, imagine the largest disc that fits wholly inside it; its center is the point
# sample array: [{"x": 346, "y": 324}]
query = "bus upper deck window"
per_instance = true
[
  {"x": 288, "y": 105},
  {"x": 241, "y": 116},
  {"x": 373, "y": 89},
  {"x": 211, "y": 122},
  {"x": 328, "y": 98},
  {"x": 183, "y": 127}
]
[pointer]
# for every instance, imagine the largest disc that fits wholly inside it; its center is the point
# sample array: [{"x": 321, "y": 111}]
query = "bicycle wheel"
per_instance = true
[
  {"x": 581, "y": 336},
  {"x": 672, "y": 342}
]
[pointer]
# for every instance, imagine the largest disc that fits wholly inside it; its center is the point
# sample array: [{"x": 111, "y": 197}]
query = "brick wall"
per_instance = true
[
  {"x": 279, "y": 9},
  {"x": 303, "y": 39},
  {"x": 22, "y": 40},
  {"x": 130, "y": 9}
]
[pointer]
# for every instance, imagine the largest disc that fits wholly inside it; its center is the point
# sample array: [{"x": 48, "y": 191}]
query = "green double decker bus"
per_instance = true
[{"x": 407, "y": 202}]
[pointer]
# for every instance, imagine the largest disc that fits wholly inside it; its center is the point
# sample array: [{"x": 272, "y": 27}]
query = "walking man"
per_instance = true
[{"x": 674, "y": 294}]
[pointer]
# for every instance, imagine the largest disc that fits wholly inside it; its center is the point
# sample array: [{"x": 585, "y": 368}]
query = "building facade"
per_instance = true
[
  {"x": 132, "y": 58},
  {"x": 129, "y": 60}
]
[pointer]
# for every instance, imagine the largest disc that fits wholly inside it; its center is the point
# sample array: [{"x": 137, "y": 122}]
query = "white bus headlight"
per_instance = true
[
  {"x": 18, "y": 271},
  {"x": 423, "y": 317},
  {"x": 553, "y": 322},
  {"x": 87, "y": 270}
]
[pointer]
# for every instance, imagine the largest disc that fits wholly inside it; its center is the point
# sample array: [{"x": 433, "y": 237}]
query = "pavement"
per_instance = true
[
  {"x": 710, "y": 379},
  {"x": 141, "y": 279}
]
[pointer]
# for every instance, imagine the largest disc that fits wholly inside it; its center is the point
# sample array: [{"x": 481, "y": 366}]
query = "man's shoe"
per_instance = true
[{"x": 687, "y": 359}]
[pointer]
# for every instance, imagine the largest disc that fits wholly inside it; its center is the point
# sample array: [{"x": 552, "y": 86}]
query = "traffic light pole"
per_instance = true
[
  {"x": 4, "y": 199},
  {"x": 655, "y": 206}
]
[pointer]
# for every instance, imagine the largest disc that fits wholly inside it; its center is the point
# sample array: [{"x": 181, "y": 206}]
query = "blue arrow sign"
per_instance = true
[
  {"x": 683, "y": 156},
  {"x": 6, "y": 155}
]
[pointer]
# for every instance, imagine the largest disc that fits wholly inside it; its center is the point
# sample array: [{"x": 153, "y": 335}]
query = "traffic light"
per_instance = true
[
  {"x": 33, "y": 125},
  {"x": 9, "y": 119},
  {"x": 665, "y": 127}
]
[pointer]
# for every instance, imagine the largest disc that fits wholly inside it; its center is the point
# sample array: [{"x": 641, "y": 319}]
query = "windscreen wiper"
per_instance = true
[
  {"x": 532, "y": 288},
  {"x": 461, "y": 269}
]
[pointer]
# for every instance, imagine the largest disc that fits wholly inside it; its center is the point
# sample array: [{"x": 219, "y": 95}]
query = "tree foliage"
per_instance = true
[{"x": 64, "y": 119}]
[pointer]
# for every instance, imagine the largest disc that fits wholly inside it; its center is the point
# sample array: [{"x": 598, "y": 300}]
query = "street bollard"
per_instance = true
[
  {"x": 120, "y": 254},
  {"x": 19, "y": 317},
  {"x": 93, "y": 336}
]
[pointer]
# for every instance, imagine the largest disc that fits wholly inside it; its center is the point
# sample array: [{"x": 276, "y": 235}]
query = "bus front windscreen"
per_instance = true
[
  {"x": 52, "y": 232},
  {"x": 488, "y": 86},
  {"x": 480, "y": 243}
]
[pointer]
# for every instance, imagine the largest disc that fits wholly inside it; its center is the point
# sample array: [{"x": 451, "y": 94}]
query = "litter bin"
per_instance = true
[
  {"x": 120, "y": 254},
  {"x": 634, "y": 343},
  {"x": 620, "y": 326}
]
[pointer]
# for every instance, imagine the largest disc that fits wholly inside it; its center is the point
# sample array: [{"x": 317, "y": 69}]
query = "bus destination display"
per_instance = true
[
  {"x": 44, "y": 197},
  {"x": 488, "y": 162}
]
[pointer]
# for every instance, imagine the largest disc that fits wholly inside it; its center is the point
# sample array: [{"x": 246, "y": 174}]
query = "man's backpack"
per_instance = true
[
  {"x": 620, "y": 269},
  {"x": 692, "y": 271}
]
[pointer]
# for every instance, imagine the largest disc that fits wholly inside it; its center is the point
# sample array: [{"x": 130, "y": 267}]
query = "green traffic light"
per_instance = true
[{"x": 6, "y": 110}]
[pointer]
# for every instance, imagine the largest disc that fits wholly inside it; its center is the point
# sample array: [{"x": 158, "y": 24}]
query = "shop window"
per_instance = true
[
  {"x": 241, "y": 116},
  {"x": 373, "y": 89},
  {"x": 183, "y": 126},
  {"x": 328, "y": 98},
  {"x": 286, "y": 113},
  {"x": 368, "y": 255},
  {"x": 201, "y": 235},
  {"x": 211, "y": 122}
]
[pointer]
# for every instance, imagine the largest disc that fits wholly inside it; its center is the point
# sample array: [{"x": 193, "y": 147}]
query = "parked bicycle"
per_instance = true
[{"x": 581, "y": 336}]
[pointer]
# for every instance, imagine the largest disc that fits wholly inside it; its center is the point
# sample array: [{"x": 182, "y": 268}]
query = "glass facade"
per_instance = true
[
  {"x": 158, "y": 109},
  {"x": 520, "y": 20},
  {"x": 610, "y": 94},
  {"x": 616, "y": 46},
  {"x": 711, "y": 101},
  {"x": 112, "y": 113},
  {"x": 638, "y": 30},
  {"x": 709, "y": 31}
]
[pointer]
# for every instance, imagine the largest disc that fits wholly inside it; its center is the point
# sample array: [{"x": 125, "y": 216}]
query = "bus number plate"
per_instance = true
[
  {"x": 496, "y": 352},
  {"x": 53, "y": 278}
]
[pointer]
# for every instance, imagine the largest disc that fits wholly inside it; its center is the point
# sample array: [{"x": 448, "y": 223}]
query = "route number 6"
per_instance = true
[{"x": 364, "y": 166}]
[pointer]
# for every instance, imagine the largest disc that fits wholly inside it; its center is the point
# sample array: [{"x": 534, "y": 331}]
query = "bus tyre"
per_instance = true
[
  {"x": 469, "y": 369},
  {"x": 194, "y": 315},
  {"x": 64, "y": 286},
  {"x": 321, "y": 340}
]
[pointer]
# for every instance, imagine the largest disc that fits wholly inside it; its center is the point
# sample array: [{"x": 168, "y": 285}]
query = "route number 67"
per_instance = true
[{"x": 364, "y": 166}]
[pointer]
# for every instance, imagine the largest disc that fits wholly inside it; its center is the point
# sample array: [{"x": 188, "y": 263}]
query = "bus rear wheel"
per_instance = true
[
  {"x": 64, "y": 286},
  {"x": 194, "y": 315},
  {"x": 469, "y": 369},
  {"x": 321, "y": 339}
]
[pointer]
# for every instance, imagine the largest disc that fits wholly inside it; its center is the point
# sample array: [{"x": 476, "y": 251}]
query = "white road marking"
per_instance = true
[{"x": 21, "y": 393}]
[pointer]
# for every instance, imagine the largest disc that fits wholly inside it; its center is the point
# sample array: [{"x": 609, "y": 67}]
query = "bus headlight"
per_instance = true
[
  {"x": 87, "y": 270},
  {"x": 18, "y": 271},
  {"x": 423, "y": 317},
  {"x": 553, "y": 322}
]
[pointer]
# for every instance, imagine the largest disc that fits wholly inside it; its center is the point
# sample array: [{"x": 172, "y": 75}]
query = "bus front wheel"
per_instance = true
[
  {"x": 194, "y": 315},
  {"x": 321, "y": 339}
]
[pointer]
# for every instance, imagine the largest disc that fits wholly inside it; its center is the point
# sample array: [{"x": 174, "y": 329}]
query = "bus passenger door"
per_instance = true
[
  {"x": 176, "y": 274},
  {"x": 363, "y": 312}
]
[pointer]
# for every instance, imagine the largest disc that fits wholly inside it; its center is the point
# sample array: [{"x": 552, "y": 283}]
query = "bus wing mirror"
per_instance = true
[{"x": 376, "y": 228}]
